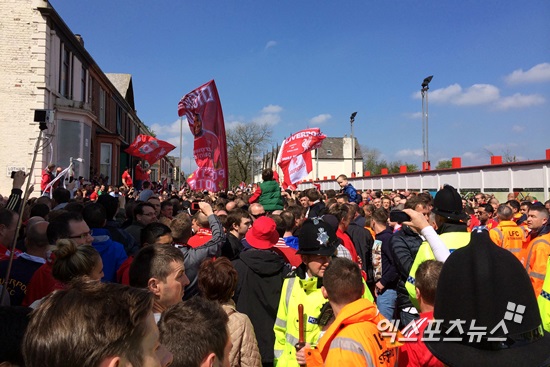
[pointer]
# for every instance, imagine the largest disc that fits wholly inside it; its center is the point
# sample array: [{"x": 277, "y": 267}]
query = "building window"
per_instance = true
[
  {"x": 118, "y": 120},
  {"x": 105, "y": 160},
  {"x": 65, "y": 82},
  {"x": 329, "y": 152},
  {"x": 102, "y": 100},
  {"x": 83, "y": 84}
]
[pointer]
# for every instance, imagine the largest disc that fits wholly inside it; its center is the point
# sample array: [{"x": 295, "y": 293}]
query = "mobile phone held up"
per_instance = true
[
  {"x": 195, "y": 205},
  {"x": 399, "y": 216}
]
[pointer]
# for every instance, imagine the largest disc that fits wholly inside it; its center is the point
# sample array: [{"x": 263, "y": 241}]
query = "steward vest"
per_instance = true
[
  {"x": 511, "y": 237},
  {"x": 537, "y": 258},
  {"x": 270, "y": 198},
  {"x": 453, "y": 241},
  {"x": 297, "y": 291},
  {"x": 544, "y": 301},
  {"x": 354, "y": 339}
]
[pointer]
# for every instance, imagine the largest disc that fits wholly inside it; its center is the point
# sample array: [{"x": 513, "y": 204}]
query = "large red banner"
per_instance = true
[
  {"x": 295, "y": 154},
  {"x": 149, "y": 148},
  {"x": 203, "y": 111}
]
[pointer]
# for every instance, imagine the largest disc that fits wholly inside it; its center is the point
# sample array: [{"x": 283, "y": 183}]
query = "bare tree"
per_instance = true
[
  {"x": 507, "y": 155},
  {"x": 245, "y": 141}
]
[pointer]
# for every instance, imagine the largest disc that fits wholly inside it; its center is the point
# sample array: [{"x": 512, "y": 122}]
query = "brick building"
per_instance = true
[{"x": 44, "y": 66}]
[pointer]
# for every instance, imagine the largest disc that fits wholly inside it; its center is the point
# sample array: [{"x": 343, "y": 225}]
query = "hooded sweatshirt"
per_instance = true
[
  {"x": 261, "y": 276},
  {"x": 112, "y": 253}
]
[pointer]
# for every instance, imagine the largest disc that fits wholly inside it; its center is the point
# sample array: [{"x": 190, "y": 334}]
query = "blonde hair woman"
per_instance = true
[{"x": 72, "y": 262}]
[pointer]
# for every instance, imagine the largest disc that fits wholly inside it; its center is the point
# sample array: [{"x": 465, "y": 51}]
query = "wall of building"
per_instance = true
[
  {"x": 38, "y": 52},
  {"x": 23, "y": 44}
]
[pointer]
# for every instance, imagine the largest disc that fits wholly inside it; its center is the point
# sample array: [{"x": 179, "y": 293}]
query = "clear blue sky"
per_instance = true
[{"x": 312, "y": 63}]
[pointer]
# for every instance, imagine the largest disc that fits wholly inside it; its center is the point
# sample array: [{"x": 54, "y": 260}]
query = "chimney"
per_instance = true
[{"x": 79, "y": 39}]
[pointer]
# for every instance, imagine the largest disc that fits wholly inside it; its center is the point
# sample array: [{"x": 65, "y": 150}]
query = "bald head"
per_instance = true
[
  {"x": 256, "y": 210},
  {"x": 37, "y": 237},
  {"x": 504, "y": 212},
  {"x": 230, "y": 206}
]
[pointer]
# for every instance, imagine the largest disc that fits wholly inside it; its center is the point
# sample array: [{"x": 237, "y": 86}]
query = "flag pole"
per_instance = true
[{"x": 181, "y": 157}]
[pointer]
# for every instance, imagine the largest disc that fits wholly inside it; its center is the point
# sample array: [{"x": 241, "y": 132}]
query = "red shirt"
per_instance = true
[
  {"x": 94, "y": 196},
  {"x": 140, "y": 173},
  {"x": 127, "y": 178},
  {"x": 415, "y": 353}
]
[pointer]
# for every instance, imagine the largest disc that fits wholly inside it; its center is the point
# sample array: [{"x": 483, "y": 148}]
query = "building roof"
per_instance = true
[
  {"x": 123, "y": 84},
  {"x": 333, "y": 148}
]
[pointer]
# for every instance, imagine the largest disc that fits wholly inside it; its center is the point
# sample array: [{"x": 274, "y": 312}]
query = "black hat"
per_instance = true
[
  {"x": 448, "y": 204},
  {"x": 485, "y": 289},
  {"x": 317, "y": 237}
]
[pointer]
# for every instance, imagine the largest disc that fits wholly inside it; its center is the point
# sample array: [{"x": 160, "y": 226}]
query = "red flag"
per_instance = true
[
  {"x": 149, "y": 148},
  {"x": 295, "y": 155},
  {"x": 203, "y": 110}
]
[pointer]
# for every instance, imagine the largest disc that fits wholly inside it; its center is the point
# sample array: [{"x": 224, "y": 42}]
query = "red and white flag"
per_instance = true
[
  {"x": 203, "y": 110},
  {"x": 149, "y": 148},
  {"x": 295, "y": 154}
]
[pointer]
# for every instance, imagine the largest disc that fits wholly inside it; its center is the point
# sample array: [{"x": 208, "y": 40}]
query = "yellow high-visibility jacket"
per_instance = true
[
  {"x": 297, "y": 291},
  {"x": 453, "y": 241}
]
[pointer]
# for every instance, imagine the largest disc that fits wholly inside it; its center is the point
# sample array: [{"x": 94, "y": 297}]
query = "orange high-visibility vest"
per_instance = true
[
  {"x": 353, "y": 339},
  {"x": 511, "y": 237},
  {"x": 537, "y": 257}
]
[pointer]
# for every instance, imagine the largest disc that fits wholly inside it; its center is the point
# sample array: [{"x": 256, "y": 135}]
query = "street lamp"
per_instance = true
[
  {"x": 424, "y": 92},
  {"x": 351, "y": 120}
]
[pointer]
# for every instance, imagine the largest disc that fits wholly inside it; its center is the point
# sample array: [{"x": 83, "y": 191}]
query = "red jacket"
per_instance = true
[
  {"x": 415, "y": 353},
  {"x": 47, "y": 177}
]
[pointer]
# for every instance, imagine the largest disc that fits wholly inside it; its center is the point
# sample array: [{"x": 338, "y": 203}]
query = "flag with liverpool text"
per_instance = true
[
  {"x": 203, "y": 111},
  {"x": 149, "y": 148},
  {"x": 295, "y": 154}
]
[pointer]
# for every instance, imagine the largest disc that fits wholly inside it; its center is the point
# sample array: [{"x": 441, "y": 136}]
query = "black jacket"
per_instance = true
[
  {"x": 261, "y": 276},
  {"x": 232, "y": 247},
  {"x": 404, "y": 245},
  {"x": 390, "y": 277},
  {"x": 363, "y": 241},
  {"x": 316, "y": 210}
]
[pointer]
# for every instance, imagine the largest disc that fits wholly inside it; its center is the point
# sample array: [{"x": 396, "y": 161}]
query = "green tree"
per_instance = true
[
  {"x": 245, "y": 142},
  {"x": 444, "y": 163},
  {"x": 373, "y": 163}
]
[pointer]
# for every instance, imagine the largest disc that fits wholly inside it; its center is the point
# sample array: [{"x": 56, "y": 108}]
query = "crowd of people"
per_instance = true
[{"x": 141, "y": 275}]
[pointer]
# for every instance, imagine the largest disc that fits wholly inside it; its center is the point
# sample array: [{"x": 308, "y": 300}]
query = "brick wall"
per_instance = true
[{"x": 23, "y": 45}]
